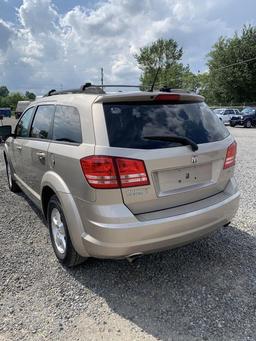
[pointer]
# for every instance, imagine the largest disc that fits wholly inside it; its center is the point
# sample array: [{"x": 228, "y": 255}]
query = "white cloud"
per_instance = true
[
  {"x": 6, "y": 32},
  {"x": 47, "y": 49}
]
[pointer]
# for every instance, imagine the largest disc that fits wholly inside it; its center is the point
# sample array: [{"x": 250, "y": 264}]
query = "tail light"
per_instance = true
[
  {"x": 114, "y": 172},
  {"x": 100, "y": 171},
  {"x": 167, "y": 97},
  {"x": 131, "y": 172},
  {"x": 231, "y": 156}
]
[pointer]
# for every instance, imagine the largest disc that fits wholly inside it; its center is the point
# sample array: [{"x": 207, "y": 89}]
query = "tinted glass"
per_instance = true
[
  {"x": 22, "y": 128},
  {"x": 128, "y": 123},
  {"x": 248, "y": 111},
  {"x": 219, "y": 111},
  {"x": 67, "y": 125},
  {"x": 41, "y": 125},
  {"x": 229, "y": 112}
]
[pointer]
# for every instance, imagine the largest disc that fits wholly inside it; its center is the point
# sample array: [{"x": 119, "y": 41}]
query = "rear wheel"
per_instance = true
[
  {"x": 60, "y": 238},
  {"x": 11, "y": 182},
  {"x": 248, "y": 124}
]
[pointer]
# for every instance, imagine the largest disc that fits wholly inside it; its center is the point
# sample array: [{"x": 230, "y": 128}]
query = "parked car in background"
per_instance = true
[
  {"x": 118, "y": 175},
  {"x": 225, "y": 114},
  {"x": 247, "y": 118},
  {"x": 5, "y": 112},
  {"x": 21, "y": 106}
]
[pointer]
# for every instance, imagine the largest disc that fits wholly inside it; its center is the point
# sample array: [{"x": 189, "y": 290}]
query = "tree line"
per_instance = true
[
  {"x": 10, "y": 99},
  {"x": 231, "y": 75}
]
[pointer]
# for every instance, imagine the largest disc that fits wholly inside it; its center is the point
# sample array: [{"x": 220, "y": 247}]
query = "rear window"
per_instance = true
[{"x": 127, "y": 123}]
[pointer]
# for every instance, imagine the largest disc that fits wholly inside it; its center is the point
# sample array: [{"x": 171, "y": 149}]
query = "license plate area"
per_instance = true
[{"x": 182, "y": 179}]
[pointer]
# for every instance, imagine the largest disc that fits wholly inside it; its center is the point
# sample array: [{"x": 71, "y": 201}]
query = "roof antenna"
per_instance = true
[{"x": 154, "y": 81}]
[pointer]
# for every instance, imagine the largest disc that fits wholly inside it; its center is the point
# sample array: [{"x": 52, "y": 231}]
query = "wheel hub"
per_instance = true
[{"x": 58, "y": 231}]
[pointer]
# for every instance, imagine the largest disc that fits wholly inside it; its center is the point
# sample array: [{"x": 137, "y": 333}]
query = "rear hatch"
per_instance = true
[{"x": 178, "y": 172}]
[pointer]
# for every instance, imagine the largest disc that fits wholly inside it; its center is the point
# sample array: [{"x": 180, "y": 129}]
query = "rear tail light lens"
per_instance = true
[
  {"x": 231, "y": 156},
  {"x": 114, "y": 172},
  {"x": 99, "y": 171},
  {"x": 131, "y": 172}
]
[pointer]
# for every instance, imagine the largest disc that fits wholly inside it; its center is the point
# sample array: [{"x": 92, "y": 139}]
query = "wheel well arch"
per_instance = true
[{"x": 47, "y": 193}]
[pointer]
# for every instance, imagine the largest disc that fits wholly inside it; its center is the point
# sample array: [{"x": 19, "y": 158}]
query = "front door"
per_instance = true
[{"x": 16, "y": 146}]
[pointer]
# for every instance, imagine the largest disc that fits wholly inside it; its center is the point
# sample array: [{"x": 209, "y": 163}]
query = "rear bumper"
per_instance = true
[{"x": 122, "y": 240}]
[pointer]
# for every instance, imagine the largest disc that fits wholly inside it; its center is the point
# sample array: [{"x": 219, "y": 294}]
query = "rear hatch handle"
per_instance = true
[{"x": 174, "y": 138}]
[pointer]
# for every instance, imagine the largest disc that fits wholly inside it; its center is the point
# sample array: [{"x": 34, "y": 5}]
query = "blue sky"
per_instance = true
[{"x": 63, "y": 43}]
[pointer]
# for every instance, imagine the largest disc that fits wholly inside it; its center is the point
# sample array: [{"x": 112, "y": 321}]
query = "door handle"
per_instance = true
[
  {"x": 19, "y": 147},
  {"x": 41, "y": 155}
]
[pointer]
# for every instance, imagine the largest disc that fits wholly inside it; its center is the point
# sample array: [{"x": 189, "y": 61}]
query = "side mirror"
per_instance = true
[{"x": 5, "y": 132}]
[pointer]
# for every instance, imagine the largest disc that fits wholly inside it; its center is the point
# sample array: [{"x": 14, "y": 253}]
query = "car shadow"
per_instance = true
[
  {"x": 37, "y": 211},
  {"x": 202, "y": 291}
]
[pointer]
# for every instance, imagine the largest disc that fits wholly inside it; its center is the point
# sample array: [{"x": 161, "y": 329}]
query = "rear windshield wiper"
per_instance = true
[{"x": 174, "y": 138}]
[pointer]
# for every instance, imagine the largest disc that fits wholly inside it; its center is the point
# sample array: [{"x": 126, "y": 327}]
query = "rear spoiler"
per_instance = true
[{"x": 149, "y": 96}]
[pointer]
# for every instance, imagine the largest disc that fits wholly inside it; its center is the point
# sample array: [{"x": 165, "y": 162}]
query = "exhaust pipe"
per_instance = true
[{"x": 132, "y": 258}]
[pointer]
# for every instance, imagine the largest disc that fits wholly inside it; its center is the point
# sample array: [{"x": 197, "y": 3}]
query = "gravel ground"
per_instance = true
[{"x": 203, "y": 291}]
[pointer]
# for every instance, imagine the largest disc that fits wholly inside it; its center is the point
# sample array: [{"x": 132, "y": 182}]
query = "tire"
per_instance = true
[
  {"x": 60, "y": 238},
  {"x": 11, "y": 182},
  {"x": 248, "y": 124},
  {"x": 232, "y": 124}
]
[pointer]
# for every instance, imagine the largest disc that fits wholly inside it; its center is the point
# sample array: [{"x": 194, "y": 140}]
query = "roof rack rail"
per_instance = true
[
  {"x": 118, "y": 86},
  {"x": 89, "y": 89}
]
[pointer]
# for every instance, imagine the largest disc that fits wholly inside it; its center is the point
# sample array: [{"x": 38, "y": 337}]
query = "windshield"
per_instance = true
[
  {"x": 218, "y": 111},
  {"x": 129, "y": 123},
  {"x": 247, "y": 111}
]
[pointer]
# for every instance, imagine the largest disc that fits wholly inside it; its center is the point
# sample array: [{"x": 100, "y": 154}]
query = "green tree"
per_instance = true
[
  {"x": 190, "y": 81},
  {"x": 164, "y": 55},
  {"x": 11, "y": 100},
  {"x": 30, "y": 95},
  {"x": 4, "y": 92},
  {"x": 232, "y": 68}
]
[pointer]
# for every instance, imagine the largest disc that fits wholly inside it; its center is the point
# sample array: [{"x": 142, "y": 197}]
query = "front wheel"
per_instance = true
[
  {"x": 59, "y": 234},
  {"x": 11, "y": 182},
  {"x": 248, "y": 124}
]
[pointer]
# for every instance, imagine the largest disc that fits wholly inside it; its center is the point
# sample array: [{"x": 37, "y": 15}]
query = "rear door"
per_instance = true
[
  {"x": 35, "y": 149},
  {"x": 177, "y": 174}
]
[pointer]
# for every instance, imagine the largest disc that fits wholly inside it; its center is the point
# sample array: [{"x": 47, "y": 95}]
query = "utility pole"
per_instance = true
[{"x": 102, "y": 77}]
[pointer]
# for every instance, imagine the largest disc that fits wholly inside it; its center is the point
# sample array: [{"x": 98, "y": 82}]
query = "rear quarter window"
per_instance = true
[
  {"x": 128, "y": 123},
  {"x": 66, "y": 125}
]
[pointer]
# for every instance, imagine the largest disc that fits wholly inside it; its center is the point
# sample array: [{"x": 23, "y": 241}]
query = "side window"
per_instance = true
[
  {"x": 22, "y": 128},
  {"x": 41, "y": 126},
  {"x": 66, "y": 126}
]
